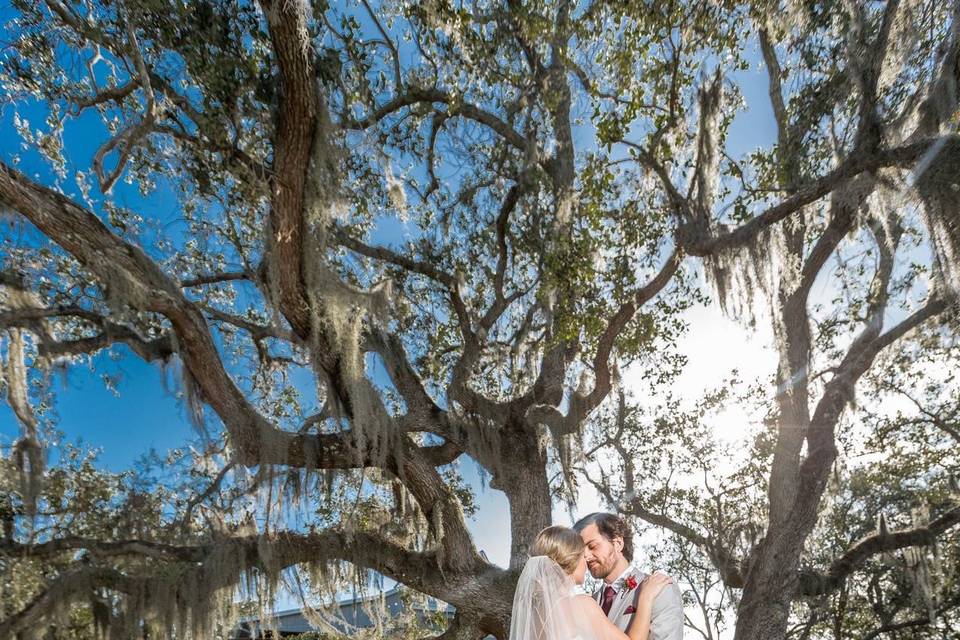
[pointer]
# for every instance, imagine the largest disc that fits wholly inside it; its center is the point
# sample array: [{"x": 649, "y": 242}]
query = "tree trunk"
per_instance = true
[
  {"x": 769, "y": 590},
  {"x": 523, "y": 478},
  {"x": 529, "y": 512}
]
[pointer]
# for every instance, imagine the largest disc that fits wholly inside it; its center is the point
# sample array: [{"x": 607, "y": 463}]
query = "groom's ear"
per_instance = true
[{"x": 618, "y": 544}]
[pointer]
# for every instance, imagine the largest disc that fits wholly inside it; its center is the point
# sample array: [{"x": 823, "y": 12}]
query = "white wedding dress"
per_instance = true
[{"x": 542, "y": 606}]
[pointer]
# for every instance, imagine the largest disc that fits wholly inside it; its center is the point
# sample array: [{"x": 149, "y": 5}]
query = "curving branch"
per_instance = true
[
  {"x": 837, "y": 393},
  {"x": 725, "y": 562},
  {"x": 256, "y": 330},
  {"x": 813, "y": 584},
  {"x": 28, "y": 316},
  {"x": 455, "y": 106},
  {"x": 404, "y": 377}
]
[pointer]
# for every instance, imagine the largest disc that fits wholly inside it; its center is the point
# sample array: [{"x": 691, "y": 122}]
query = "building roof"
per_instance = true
[{"x": 352, "y": 612}]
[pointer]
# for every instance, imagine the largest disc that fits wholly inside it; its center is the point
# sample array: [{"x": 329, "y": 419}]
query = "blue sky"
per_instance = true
[{"x": 146, "y": 414}]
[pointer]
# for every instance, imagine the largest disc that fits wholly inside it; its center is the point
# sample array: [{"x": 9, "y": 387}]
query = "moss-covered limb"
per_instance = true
[
  {"x": 903, "y": 156},
  {"x": 813, "y": 583},
  {"x": 25, "y": 311},
  {"x": 423, "y": 413},
  {"x": 135, "y": 280},
  {"x": 190, "y": 584},
  {"x": 143, "y": 548},
  {"x": 61, "y": 593},
  {"x": 440, "y": 506}
]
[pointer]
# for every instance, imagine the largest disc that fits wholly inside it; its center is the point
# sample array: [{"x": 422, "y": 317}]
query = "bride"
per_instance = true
[{"x": 551, "y": 603}]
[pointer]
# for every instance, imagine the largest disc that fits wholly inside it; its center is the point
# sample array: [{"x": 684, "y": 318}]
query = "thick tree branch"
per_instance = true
[
  {"x": 774, "y": 75},
  {"x": 27, "y": 316},
  {"x": 299, "y": 115},
  {"x": 904, "y": 156},
  {"x": 439, "y": 455},
  {"x": 144, "y": 548},
  {"x": 150, "y": 350},
  {"x": 837, "y": 394},
  {"x": 143, "y": 285},
  {"x": 423, "y": 413},
  {"x": 272, "y": 553}
]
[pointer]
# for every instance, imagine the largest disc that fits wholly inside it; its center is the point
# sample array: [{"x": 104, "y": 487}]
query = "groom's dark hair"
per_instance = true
[{"x": 610, "y": 527}]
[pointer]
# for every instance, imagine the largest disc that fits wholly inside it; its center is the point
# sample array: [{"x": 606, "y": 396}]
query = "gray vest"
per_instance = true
[{"x": 666, "y": 621}]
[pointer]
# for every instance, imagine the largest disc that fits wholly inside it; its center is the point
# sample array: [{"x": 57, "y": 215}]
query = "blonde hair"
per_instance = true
[{"x": 561, "y": 544}]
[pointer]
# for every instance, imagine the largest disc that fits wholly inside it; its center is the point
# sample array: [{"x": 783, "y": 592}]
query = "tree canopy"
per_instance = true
[{"x": 571, "y": 188}]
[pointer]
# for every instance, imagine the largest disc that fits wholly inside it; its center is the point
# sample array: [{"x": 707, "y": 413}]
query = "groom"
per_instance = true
[{"x": 609, "y": 555}]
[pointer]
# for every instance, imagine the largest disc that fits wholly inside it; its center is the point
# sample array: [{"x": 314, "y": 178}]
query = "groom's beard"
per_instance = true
[{"x": 601, "y": 569}]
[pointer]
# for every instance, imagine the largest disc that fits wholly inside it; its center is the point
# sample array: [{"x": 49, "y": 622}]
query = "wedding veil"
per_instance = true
[{"x": 543, "y": 608}]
